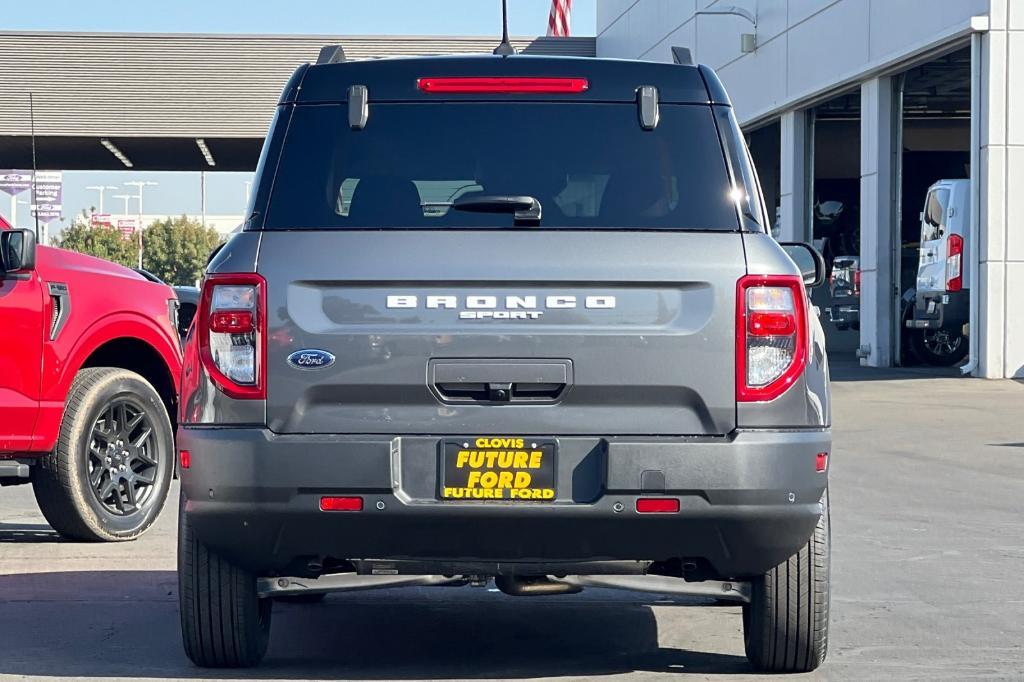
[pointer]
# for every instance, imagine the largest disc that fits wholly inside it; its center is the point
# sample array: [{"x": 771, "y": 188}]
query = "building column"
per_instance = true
[
  {"x": 877, "y": 222},
  {"x": 1000, "y": 333},
  {"x": 794, "y": 167}
]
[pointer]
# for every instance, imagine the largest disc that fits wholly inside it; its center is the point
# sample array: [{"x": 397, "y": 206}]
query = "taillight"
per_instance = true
[
  {"x": 954, "y": 263},
  {"x": 856, "y": 282},
  {"x": 503, "y": 85},
  {"x": 231, "y": 325},
  {"x": 771, "y": 335}
]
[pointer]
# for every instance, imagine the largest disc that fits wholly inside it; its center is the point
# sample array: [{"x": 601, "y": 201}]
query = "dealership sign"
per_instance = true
[
  {"x": 127, "y": 226},
  {"x": 47, "y": 194},
  {"x": 15, "y": 181},
  {"x": 100, "y": 220}
]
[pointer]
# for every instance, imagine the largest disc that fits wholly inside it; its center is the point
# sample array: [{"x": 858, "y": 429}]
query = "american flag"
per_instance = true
[{"x": 558, "y": 20}]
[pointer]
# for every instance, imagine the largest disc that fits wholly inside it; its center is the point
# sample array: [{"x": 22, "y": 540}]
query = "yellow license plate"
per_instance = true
[{"x": 498, "y": 468}]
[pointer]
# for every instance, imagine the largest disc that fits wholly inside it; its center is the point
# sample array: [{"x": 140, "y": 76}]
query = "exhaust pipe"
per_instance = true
[
  {"x": 533, "y": 586},
  {"x": 349, "y": 582}
]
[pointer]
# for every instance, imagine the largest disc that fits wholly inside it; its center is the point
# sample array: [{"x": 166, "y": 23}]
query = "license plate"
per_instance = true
[{"x": 493, "y": 468}]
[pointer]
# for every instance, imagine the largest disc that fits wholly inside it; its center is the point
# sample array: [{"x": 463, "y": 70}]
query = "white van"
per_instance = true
[{"x": 942, "y": 300}]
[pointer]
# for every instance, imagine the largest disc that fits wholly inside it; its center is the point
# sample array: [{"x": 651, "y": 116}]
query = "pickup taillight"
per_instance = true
[
  {"x": 771, "y": 335},
  {"x": 231, "y": 326}
]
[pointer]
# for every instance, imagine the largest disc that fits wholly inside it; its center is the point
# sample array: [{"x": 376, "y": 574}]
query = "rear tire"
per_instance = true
[
  {"x": 108, "y": 475},
  {"x": 224, "y": 623},
  {"x": 940, "y": 348},
  {"x": 785, "y": 625}
]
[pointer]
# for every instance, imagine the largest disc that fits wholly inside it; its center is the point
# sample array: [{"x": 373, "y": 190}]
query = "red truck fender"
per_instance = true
[{"x": 130, "y": 338}]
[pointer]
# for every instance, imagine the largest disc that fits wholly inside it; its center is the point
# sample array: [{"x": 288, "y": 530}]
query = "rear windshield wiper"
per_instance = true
[{"x": 525, "y": 209}]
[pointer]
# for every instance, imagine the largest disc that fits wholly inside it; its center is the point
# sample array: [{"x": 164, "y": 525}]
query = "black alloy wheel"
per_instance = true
[{"x": 123, "y": 457}]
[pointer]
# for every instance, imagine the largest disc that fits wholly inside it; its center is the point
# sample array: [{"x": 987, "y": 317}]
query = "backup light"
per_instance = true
[{"x": 503, "y": 85}]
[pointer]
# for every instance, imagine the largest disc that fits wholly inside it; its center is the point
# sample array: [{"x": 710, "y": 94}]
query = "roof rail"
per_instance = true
[
  {"x": 681, "y": 55},
  {"x": 331, "y": 54}
]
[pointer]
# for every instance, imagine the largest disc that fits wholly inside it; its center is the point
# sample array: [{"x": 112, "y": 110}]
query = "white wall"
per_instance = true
[
  {"x": 805, "y": 47},
  {"x": 1002, "y": 177}
]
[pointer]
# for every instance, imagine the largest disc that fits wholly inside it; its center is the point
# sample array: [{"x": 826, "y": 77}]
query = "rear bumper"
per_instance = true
[
  {"x": 845, "y": 312},
  {"x": 748, "y": 501},
  {"x": 948, "y": 311}
]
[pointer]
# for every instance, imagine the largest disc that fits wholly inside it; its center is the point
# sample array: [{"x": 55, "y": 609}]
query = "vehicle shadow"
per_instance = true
[
  {"x": 28, "y": 532},
  {"x": 125, "y": 624},
  {"x": 842, "y": 369}
]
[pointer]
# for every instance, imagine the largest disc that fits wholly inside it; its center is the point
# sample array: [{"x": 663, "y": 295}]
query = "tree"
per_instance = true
[
  {"x": 176, "y": 249},
  {"x": 102, "y": 242}
]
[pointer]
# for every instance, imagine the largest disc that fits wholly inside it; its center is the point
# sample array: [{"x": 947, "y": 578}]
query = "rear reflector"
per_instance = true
[
  {"x": 341, "y": 504},
  {"x": 186, "y": 459},
  {"x": 474, "y": 85},
  {"x": 657, "y": 505},
  {"x": 822, "y": 462}
]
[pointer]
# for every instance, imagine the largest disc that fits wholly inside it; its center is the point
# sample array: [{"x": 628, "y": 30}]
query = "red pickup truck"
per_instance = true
[{"x": 89, "y": 366}]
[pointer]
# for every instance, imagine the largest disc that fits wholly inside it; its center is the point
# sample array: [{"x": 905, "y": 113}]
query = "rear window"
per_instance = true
[
  {"x": 589, "y": 166},
  {"x": 934, "y": 215}
]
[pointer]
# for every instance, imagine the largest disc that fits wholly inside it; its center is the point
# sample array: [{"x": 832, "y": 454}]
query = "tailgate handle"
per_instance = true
[{"x": 500, "y": 381}]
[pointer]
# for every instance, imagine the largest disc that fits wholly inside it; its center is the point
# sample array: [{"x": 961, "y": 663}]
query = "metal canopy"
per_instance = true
[{"x": 152, "y": 96}]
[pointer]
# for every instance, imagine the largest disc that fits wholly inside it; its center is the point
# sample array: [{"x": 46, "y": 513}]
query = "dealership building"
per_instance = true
[
  {"x": 852, "y": 108},
  {"x": 867, "y": 103}
]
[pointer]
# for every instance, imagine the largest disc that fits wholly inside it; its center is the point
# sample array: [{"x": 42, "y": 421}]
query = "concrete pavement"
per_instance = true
[{"x": 928, "y": 534}]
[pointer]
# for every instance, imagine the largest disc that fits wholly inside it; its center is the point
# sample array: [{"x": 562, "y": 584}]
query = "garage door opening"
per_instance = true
[
  {"x": 934, "y": 181},
  {"x": 835, "y": 216}
]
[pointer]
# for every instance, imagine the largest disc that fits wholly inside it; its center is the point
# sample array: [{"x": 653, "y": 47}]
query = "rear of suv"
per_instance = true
[{"x": 505, "y": 317}]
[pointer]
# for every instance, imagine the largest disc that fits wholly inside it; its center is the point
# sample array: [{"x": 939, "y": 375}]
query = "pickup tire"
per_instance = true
[
  {"x": 940, "y": 348},
  {"x": 785, "y": 625},
  {"x": 115, "y": 441},
  {"x": 224, "y": 623}
]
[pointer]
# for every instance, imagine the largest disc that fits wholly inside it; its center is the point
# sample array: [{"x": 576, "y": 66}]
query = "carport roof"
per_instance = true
[{"x": 153, "y": 95}]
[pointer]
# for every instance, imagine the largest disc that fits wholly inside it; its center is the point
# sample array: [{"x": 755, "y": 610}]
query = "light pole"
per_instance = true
[
  {"x": 101, "y": 189},
  {"x": 127, "y": 198},
  {"x": 140, "y": 184},
  {"x": 248, "y": 190}
]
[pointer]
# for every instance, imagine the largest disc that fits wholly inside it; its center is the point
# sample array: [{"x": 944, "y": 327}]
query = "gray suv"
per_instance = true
[{"x": 505, "y": 318}]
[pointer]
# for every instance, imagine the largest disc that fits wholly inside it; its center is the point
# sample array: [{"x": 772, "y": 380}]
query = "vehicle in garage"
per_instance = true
[
  {"x": 942, "y": 300},
  {"x": 458, "y": 341},
  {"x": 88, "y": 388},
  {"x": 844, "y": 285}
]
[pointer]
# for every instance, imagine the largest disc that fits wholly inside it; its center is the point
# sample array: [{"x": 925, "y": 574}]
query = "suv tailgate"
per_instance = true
[{"x": 660, "y": 362}]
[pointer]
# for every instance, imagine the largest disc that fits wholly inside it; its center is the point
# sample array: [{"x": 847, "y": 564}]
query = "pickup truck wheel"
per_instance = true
[
  {"x": 940, "y": 348},
  {"x": 785, "y": 625},
  {"x": 108, "y": 476},
  {"x": 224, "y": 623}
]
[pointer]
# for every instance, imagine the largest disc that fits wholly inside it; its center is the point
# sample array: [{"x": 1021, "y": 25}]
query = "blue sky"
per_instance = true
[
  {"x": 179, "y": 192},
  {"x": 526, "y": 17}
]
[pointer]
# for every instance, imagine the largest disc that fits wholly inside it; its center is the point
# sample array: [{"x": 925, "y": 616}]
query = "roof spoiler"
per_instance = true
[
  {"x": 680, "y": 55},
  {"x": 331, "y": 54}
]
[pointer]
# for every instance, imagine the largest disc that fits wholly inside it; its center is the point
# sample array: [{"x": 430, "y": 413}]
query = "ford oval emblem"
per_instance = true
[{"x": 311, "y": 358}]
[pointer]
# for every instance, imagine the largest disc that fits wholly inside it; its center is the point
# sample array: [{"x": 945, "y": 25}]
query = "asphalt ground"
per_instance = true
[{"x": 927, "y": 494}]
